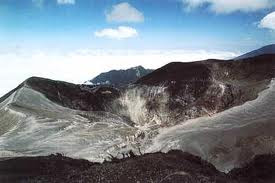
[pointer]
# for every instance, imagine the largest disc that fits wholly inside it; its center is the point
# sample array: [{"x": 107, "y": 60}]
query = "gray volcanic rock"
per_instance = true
[
  {"x": 120, "y": 78},
  {"x": 269, "y": 49},
  {"x": 203, "y": 88}
]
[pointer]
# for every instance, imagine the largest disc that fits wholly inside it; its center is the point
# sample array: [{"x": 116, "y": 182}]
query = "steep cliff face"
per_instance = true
[{"x": 183, "y": 91}]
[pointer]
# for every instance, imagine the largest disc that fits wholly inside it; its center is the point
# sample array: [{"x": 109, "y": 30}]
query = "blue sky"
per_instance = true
[
  {"x": 166, "y": 24},
  {"x": 74, "y": 40}
]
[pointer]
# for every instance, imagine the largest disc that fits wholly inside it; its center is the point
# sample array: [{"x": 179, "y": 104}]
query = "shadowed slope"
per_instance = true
[
  {"x": 174, "y": 166},
  {"x": 79, "y": 97},
  {"x": 269, "y": 49}
]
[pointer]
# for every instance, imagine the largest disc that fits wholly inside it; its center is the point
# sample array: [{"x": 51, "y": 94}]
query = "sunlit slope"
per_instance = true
[
  {"x": 229, "y": 138},
  {"x": 34, "y": 125}
]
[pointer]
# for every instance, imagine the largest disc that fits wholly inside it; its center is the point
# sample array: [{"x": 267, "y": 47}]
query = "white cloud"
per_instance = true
[
  {"x": 122, "y": 32},
  {"x": 63, "y": 2},
  {"x": 81, "y": 65},
  {"x": 124, "y": 12},
  {"x": 229, "y": 6},
  {"x": 268, "y": 21}
]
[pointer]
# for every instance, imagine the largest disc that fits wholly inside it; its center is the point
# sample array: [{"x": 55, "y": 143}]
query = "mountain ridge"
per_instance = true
[{"x": 268, "y": 49}]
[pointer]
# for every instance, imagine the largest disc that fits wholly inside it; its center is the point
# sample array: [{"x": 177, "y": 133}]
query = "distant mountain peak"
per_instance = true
[
  {"x": 268, "y": 49},
  {"x": 137, "y": 67},
  {"x": 120, "y": 78}
]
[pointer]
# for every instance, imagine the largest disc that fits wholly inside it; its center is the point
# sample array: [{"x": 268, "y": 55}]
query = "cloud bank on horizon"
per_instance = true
[
  {"x": 84, "y": 64},
  {"x": 78, "y": 39}
]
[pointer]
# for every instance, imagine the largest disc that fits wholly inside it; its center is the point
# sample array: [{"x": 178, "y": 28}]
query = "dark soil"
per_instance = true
[{"x": 175, "y": 166}]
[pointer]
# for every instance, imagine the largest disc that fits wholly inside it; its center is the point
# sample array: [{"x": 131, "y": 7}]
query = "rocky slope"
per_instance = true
[
  {"x": 173, "y": 167},
  {"x": 120, "y": 78},
  {"x": 184, "y": 91}
]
